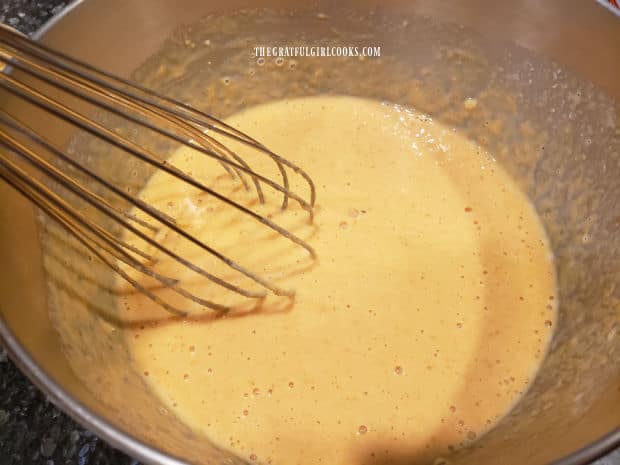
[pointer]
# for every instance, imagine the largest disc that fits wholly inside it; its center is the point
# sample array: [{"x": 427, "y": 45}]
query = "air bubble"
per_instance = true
[
  {"x": 470, "y": 104},
  {"x": 260, "y": 61},
  {"x": 363, "y": 429},
  {"x": 279, "y": 61}
]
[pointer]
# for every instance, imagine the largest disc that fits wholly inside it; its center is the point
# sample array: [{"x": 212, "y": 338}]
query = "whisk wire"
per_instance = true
[
  {"x": 60, "y": 209},
  {"x": 47, "y": 101},
  {"x": 174, "y": 120},
  {"x": 160, "y": 102},
  {"x": 58, "y": 109},
  {"x": 92, "y": 199}
]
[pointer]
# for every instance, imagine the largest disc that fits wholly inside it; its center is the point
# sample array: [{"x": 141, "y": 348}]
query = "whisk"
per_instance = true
[{"x": 29, "y": 162}]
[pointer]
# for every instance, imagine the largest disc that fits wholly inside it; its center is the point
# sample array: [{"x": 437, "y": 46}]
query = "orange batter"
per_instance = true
[{"x": 423, "y": 321}]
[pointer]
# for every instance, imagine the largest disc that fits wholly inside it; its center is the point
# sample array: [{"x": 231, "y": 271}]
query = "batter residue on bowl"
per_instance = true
[{"x": 421, "y": 324}]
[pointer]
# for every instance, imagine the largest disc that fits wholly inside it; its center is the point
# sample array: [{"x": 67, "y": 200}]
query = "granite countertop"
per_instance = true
[{"x": 32, "y": 430}]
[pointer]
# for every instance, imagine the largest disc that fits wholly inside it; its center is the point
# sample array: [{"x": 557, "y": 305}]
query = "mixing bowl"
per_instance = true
[{"x": 545, "y": 75}]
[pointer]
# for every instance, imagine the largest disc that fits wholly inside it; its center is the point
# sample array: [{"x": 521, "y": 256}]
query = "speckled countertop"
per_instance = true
[{"x": 32, "y": 430}]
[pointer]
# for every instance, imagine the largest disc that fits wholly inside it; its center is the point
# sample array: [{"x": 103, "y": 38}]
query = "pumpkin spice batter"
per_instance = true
[{"x": 419, "y": 326}]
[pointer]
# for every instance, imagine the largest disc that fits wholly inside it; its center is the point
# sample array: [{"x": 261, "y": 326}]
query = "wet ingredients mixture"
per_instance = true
[{"x": 422, "y": 322}]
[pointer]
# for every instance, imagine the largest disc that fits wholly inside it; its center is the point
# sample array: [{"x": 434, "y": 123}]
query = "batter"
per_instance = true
[{"x": 421, "y": 323}]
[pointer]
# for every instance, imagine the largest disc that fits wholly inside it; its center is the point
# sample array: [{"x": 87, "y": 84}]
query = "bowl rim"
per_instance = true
[{"x": 146, "y": 453}]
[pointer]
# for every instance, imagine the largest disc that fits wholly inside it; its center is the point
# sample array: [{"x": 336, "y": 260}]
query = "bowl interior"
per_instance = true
[{"x": 548, "y": 124}]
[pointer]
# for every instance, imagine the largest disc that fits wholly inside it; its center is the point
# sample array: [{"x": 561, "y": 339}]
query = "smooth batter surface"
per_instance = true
[{"x": 422, "y": 322}]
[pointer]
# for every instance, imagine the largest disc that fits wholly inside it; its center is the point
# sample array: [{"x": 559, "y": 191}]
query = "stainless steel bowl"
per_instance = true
[{"x": 555, "y": 63}]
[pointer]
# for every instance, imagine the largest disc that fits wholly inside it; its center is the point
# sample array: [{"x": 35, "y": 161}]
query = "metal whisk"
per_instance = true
[{"x": 31, "y": 70}]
